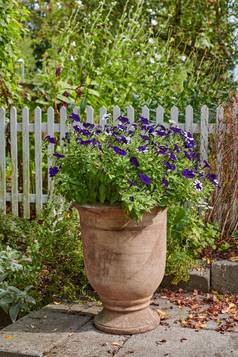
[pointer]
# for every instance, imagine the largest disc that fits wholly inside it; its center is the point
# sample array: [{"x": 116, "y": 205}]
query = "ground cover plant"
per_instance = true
[{"x": 41, "y": 260}]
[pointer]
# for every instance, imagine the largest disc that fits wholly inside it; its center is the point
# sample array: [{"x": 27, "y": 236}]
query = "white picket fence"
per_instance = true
[{"x": 22, "y": 130}]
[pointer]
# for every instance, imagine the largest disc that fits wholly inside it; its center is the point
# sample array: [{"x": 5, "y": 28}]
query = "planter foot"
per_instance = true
[{"x": 127, "y": 323}]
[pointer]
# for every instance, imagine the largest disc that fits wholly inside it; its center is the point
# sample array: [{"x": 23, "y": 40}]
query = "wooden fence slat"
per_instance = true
[
  {"x": 131, "y": 113},
  {"x": 102, "y": 115},
  {"x": 50, "y": 132},
  {"x": 116, "y": 112},
  {"x": 159, "y": 115},
  {"x": 38, "y": 160},
  {"x": 2, "y": 161},
  {"x": 204, "y": 133},
  {"x": 62, "y": 128},
  {"x": 89, "y": 114},
  {"x": 189, "y": 118},
  {"x": 14, "y": 160},
  {"x": 145, "y": 112},
  {"x": 174, "y": 114},
  {"x": 26, "y": 162}
]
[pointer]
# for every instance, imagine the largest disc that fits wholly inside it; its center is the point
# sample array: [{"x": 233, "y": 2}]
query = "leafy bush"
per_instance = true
[
  {"x": 53, "y": 258},
  {"x": 188, "y": 235},
  {"x": 12, "y": 300}
]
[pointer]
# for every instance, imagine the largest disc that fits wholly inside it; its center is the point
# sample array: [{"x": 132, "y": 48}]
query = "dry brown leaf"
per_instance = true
[
  {"x": 8, "y": 337},
  {"x": 162, "y": 314}
]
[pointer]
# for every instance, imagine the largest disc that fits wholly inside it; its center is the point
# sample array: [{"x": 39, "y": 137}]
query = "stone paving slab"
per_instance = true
[
  {"x": 39, "y": 331},
  {"x": 224, "y": 276},
  {"x": 180, "y": 342}
]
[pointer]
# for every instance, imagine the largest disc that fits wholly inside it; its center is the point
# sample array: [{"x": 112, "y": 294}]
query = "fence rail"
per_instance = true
[{"x": 19, "y": 135}]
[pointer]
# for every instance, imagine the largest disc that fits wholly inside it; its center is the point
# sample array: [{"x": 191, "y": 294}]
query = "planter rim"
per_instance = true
[{"x": 102, "y": 207}]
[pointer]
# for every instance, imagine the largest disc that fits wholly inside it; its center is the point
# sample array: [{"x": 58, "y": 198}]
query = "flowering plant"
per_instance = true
[{"x": 137, "y": 166}]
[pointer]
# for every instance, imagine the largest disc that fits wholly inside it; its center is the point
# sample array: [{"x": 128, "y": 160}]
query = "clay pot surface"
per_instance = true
[{"x": 125, "y": 263}]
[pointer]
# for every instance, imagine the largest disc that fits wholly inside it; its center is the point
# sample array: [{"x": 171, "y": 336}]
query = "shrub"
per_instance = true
[{"x": 53, "y": 263}]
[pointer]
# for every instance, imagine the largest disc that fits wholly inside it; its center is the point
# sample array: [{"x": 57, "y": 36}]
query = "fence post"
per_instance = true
[
  {"x": 38, "y": 159},
  {"x": 2, "y": 161},
  {"x": 26, "y": 163},
  {"x": 204, "y": 132},
  {"x": 14, "y": 160}
]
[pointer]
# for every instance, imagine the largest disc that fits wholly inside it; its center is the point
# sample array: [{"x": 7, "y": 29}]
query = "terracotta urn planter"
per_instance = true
[{"x": 125, "y": 263}]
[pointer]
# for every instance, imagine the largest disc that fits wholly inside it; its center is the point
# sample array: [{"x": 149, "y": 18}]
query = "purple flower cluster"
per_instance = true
[{"x": 151, "y": 140}]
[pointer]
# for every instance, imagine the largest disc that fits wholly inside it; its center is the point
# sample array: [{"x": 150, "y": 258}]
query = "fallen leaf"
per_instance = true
[
  {"x": 8, "y": 337},
  {"x": 162, "y": 314}
]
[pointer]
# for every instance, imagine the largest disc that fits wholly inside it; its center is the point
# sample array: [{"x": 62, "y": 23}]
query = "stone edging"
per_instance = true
[{"x": 221, "y": 276}]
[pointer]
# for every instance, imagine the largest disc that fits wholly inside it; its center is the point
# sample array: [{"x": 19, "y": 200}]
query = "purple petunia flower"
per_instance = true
[
  {"x": 188, "y": 155},
  {"x": 144, "y": 120},
  {"x": 88, "y": 125},
  {"x": 198, "y": 185},
  {"x": 206, "y": 165},
  {"x": 98, "y": 131},
  {"x": 75, "y": 117},
  {"x": 163, "y": 150},
  {"x": 144, "y": 178},
  {"x": 53, "y": 171},
  {"x": 160, "y": 133},
  {"x": 58, "y": 155},
  {"x": 134, "y": 162},
  {"x": 213, "y": 179},
  {"x": 173, "y": 157},
  {"x": 124, "y": 120},
  {"x": 77, "y": 128},
  {"x": 85, "y": 132},
  {"x": 119, "y": 151},
  {"x": 122, "y": 127},
  {"x": 177, "y": 148},
  {"x": 169, "y": 166},
  {"x": 142, "y": 149},
  {"x": 50, "y": 139},
  {"x": 190, "y": 143},
  {"x": 145, "y": 137},
  {"x": 175, "y": 129},
  {"x": 165, "y": 182},
  {"x": 188, "y": 173}
]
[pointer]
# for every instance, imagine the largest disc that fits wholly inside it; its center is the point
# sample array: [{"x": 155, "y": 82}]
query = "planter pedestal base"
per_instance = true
[{"x": 126, "y": 323}]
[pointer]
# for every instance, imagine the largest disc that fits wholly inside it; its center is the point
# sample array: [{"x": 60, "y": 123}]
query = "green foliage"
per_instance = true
[
  {"x": 12, "y": 299},
  {"x": 100, "y": 170},
  {"x": 188, "y": 235},
  {"x": 53, "y": 258},
  {"x": 133, "y": 52},
  {"x": 12, "y": 13}
]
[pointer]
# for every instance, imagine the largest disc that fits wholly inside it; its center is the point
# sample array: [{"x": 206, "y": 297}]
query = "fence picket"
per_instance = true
[
  {"x": 2, "y": 161},
  {"x": 38, "y": 160},
  {"x": 50, "y": 132},
  {"x": 160, "y": 115},
  {"x": 89, "y": 114},
  {"x": 204, "y": 133},
  {"x": 174, "y": 113},
  {"x": 26, "y": 163},
  {"x": 145, "y": 112},
  {"x": 63, "y": 118},
  {"x": 131, "y": 113},
  {"x": 116, "y": 113},
  {"x": 14, "y": 160},
  {"x": 189, "y": 118},
  {"x": 103, "y": 116}
]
